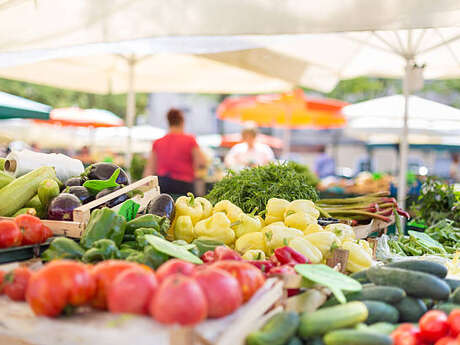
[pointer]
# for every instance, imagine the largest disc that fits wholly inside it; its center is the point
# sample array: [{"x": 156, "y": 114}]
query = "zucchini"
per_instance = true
[
  {"x": 416, "y": 284},
  {"x": 2, "y": 164},
  {"x": 37, "y": 205},
  {"x": 16, "y": 194},
  {"x": 382, "y": 328},
  {"x": 410, "y": 309},
  {"x": 455, "y": 296},
  {"x": 370, "y": 292},
  {"x": 277, "y": 331},
  {"x": 47, "y": 190},
  {"x": 447, "y": 307},
  {"x": 421, "y": 266},
  {"x": 27, "y": 210},
  {"x": 5, "y": 179},
  {"x": 453, "y": 283},
  {"x": 380, "y": 312},
  {"x": 360, "y": 276},
  {"x": 354, "y": 337},
  {"x": 328, "y": 319}
]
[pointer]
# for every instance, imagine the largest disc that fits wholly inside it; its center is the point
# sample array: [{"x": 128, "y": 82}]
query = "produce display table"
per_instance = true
[{"x": 19, "y": 326}]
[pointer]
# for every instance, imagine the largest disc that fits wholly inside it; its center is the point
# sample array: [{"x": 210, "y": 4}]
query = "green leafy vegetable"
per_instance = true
[
  {"x": 172, "y": 249},
  {"x": 129, "y": 210},
  {"x": 326, "y": 276},
  {"x": 253, "y": 187}
]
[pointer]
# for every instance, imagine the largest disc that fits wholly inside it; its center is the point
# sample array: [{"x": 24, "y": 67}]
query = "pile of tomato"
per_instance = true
[
  {"x": 209, "y": 291},
  {"x": 23, "y": 230},
  {"x": 434, "y": 327}
]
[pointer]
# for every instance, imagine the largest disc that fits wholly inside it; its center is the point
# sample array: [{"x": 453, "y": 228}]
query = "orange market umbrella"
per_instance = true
[
  {"x": 290, "y": 110},
  {"x": 230, "y": 140}
]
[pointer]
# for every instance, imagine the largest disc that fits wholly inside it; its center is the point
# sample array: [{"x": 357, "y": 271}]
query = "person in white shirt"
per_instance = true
[{"x": 249, "y": 153}]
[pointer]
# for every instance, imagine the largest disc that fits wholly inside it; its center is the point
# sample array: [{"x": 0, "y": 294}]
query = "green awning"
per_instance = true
[{"x": 17, "y": 107}]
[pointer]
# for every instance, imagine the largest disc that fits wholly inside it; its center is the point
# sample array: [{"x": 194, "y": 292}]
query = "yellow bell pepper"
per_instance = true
[
  {"x": 275, "y": 210},
  {"x": 325, "y": 241},
  {"x": 303, "y": 206},
  {"x": 299, "y": 220},
  {"x": 245, "y": 224},
  {"x": 206, "y": 205},
  {"x": 252, "y": 240},
  {"x": 343, "y": 231},
  {"x": 216, "y": 227},
  {"x": 183, "y": 229},
  {"x": 278, "y": 235},
  {"x": 304, "y": 247},
  {"x": 254, "y": 254},
  {"x": 187, "y": 206},
  {"x": 358, "y": 258},
  {"x": 364, "y": 244},
  {"x": 312, "y": 228},
  {"x": 232, "y": 211}
]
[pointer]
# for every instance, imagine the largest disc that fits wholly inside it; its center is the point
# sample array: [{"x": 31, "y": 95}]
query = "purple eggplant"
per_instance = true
[
  {"x": 103, "y": 171},
  {"x": 74, "y": 181},
  {"x": 62, "y": 206},
  {"x": 162, "y": 205},
  {"x": 81, "y": 193},
  {"x": 113, "y": 202}
]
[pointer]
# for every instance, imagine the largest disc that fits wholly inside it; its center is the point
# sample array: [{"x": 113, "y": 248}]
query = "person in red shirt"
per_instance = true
[{"x": 175, "y": 157}]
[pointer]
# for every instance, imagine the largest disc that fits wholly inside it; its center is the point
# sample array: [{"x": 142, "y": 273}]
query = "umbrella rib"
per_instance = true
[
  {"x": 388, "y": 44},
  {"x": 451, "y": 51},
  {"x": 355, "y": 53},
  {"x": 445, "y": 42}
]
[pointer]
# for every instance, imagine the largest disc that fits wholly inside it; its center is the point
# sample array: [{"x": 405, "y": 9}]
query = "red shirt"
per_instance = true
[{"x": 174, "y": 156}]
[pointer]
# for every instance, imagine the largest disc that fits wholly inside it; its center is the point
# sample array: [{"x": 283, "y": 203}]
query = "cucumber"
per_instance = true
[
  {"x": 447, "y": 307},
  {"x": 47, "y": 190},
  {"x": 421, "y": 266},
  {"x": 354, "y": 337},
  {"x": 2, "y": 164},
  {"x": 277, "y": 331},
  {"x": 370, "y": 292},
  {"x": 416, "y": 284},
  {"x": 27, "y": 210},
  {"x": 382, "y": 328},
  {"x": 410, "y": 309},
  {"x": 453, "y": 283},
  {"x": 380, "y": 312},
  {"x": 455, "y": 296},
  {"x": 5, "y": 179},
  {"x": 16, "y": 194},
  {"x": 294, "y": 341},
  {"x": 328, "y": 319},
  {"x": 360, "y": 276}
]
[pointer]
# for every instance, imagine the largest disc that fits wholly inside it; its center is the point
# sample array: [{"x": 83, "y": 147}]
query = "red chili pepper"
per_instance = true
[
  {"x": 208, "y": 257},
  {"x": 387, "y": 212},
  {"x": 263, "y": 265},
  {"x": 225, "y": 253},
  {"x": 288, "y": 256},
  {"x": 403, "y": 213},
  {"x": 293, "y": 292},
  {"x": 284, "y": 269}
]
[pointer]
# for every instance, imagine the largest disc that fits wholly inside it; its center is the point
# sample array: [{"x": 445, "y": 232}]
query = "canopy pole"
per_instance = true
[
  {"x": 404, "y": 145},
  {"x": 130, "y": 109}
]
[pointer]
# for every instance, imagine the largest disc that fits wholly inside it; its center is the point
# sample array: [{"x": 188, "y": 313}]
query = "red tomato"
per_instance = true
[
  {"x": 222, "y": 291},
  {"x": 433, "y": 325},
  {"x": 225, "y": 253},
  {"x": 447, "y": 341},
  {"x": 2, "y": 275},
  {"x": 174, "y": 266},
  {"x": 15, "y": 283},
  {"x": 10, "y": 235},
  {"x": 104, "y": 274},
  {"x": 209, "y": 256},
  {"x": 58, "y": 285},
  {"x": 31, "y": 228},
  {"x": 47, "y": 233},
  {"x": 406, "y": 334},
  {"x": 249, "y": 276},
  {"x": 132, "y": 291},
  {"x": 454, "y": 322},
  {"x": 179, "y": 299}
]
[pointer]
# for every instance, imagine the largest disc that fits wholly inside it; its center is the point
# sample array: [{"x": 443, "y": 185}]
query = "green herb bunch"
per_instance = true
[{"x": 253, "y": 187}]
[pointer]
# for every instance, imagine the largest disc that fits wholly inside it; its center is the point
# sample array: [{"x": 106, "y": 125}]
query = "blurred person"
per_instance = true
[
  {"x": 324, "y": 164},
  {"x": 175, "y": 158},
  {"x": 249, "y": 153},
  {"x": 454, "y": 170}
]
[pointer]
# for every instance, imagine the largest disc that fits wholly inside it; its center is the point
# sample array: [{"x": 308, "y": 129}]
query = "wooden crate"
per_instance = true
[
  {"x": 18, "y": 325},
  {"x": 148, "y": 185}
]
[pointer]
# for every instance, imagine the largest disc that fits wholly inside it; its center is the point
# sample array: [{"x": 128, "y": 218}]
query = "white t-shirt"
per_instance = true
[{"x": 240, "y": 156}]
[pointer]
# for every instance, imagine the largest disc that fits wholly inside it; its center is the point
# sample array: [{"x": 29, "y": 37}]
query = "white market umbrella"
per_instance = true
[
  {"x": 77, "y": 117},
  {"x": 35, "y": 24}
]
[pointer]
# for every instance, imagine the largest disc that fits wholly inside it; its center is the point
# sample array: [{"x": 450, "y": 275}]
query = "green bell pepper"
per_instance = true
[
  {"x": 126, "y": 252},
  {"x": 153, "y": 258},
  {"x": 160, "y": 224},
  {"x": 63, "y": 248},
  {"x": 103, "y": 224},
  {"x": 205, "y": 245},
  {"x": 140, "y": 236},
  {"x": 101, "y": 250},
  {"x": 129, "y": 245}
]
